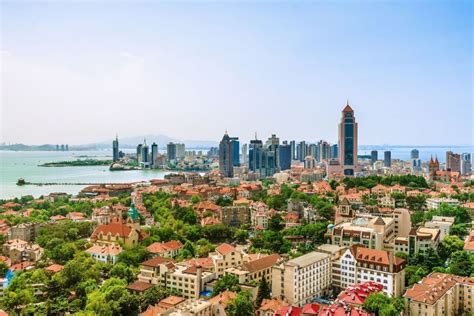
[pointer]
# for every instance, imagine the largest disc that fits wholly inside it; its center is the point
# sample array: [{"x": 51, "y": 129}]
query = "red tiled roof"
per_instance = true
[
  {"x": 159, "y": 247},
  {"x": 139, "y": 286},
  {"x": 154, "y": 262},
  {"x": 54, "y": 268},
  {"x": 225, "y": 249}
]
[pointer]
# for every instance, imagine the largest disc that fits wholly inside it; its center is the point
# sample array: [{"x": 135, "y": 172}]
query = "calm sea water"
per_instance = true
[{"x": 15, "y": 165}]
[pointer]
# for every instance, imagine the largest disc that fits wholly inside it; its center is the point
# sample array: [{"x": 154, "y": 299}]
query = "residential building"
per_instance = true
[
  {"x": 269, "y": 307},
  {"x": 375, "y": 232},
  {"x": 284, "y": 156},
  {"x": 105, "y": 253},
  {"x": 236, "y": 215},
  {"x": 235, "y": 151},
  {"x": 443, "y": 223},
  {"x": 359, "y": 264},
  {"x": 175, "y": 151},
  {"x": 259, "y": 215},
  {"x": 453, "y": 162},
  {"x": 469, "y": 241},
  {"x": 165, "y": 249},
  {"x": 245, "y": 154},
  {"x": 20, "y": 251},
  {"x": 435, "y": 203},
  {"x": 255, "y": 270},
  {"x": 466, "y": 165},
  {"x": 189, "y": 281},
  {"x": 226, "y": 256},
  {"x": 192, "y": 307},
  {"x": 300, "y": 280},
  {"x": 24, "y": 231},
  {"x": 441, "y": 294},
  {"x": 418, "y": 240}
]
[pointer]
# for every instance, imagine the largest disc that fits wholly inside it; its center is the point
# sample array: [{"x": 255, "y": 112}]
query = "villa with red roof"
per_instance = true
[{"x": 165, "y": 249}]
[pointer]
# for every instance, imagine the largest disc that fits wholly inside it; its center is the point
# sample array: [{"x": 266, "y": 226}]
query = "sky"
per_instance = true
[{"x": 80, "y": 72}]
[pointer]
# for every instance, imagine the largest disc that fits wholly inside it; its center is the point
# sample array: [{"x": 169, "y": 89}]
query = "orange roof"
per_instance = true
[
  {"x": 209, "y": 221},
  {"x": 348, "y": 108},
  {"x": 114, "y": 228},
  {"x": 223, "y": 298},
  {"x": 158, "y": 247},
  {"x": 154, "y": 262},
  {"x": 54, "y": 268},
  {"x": 139, "y": 286},
  {"x": 261, "y": 263},
  {"x": 225, "y": 249},
  {"x": 273, "y": 305},
  {"x": 109, "y": 250},
  {"x": 172, "y": 300},
  {"x": 434, "y": 286}
]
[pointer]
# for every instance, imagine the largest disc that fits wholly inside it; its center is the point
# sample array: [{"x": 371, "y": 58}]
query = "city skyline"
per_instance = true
[{"x": 197, "y": 70}]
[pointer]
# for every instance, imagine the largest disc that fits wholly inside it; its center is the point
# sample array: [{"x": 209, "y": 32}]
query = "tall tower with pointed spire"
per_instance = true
[{"x": 348, "y": 141}]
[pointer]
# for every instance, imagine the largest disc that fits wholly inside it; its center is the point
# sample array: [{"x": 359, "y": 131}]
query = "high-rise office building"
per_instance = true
[
  {"x": 154, "y": 154},
  {"x": 284, "y": 156},
  {"x": 235, "y": 151},
  {"x": 139, "y": 153},
  {"x": 466, "y": 166},
  {"x": 374, "y": 156},
  {"x": 226, "y": 156},
  {"x": 348, "y": 141},
  {"x": 175, "y": 151},
  {"x": 334, "y": 151},
  {"x": 272, "y": 145},
  {"x": 145, "y": 156},
  {"x": 293, "y": 150},
  {"x": 115, "y": 150},
  {"x": 453, "y": 161},
  {"x": 415, "y": 154},
  {"x": 213, "y": 152},
  {"x": 387, "y": 158},
  {"x": 255, "y": 155},
  {"x": 245, "y": 154}
]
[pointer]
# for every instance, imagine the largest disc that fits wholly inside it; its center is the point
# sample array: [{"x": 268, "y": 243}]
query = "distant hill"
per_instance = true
[{"x": 125, "y": 142}]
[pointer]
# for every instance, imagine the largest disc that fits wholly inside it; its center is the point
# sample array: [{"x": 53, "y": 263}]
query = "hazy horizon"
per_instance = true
[{"x": 80, "y": 72}]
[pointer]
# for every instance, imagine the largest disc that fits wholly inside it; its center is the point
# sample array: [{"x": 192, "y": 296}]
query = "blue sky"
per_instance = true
[{"x": 80, "y": 72}]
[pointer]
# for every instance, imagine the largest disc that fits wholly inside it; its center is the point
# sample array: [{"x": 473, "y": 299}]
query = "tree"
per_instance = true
[
  {"x": 3, "y": 269},
  {"x": 241, "y": 236},
  {"x": 241, "y": 305},
  {"x": 380, "y": 304},
  {"x": 275, "y": 223},
  {"x": 134, "y": 256},
  {"x": 122, "y": 271},
  {"x": 461, "y": 263},
  {"x": 227, "y": 282},
  {"x": 112, "y": 298},
  {"x": 449, "y": 245},
  {"x": 264, "y": 292}
]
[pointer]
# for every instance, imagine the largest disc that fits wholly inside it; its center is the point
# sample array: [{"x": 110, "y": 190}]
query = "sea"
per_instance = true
[{"x": 24, "y": 164}]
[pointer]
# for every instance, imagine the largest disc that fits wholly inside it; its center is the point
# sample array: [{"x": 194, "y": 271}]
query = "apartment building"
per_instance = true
[
  {"x": 418, "y": 240},
  {"x": 165, "y": 249},
  {"x": 105, "y": 253},
  {"x": 24, "y": 231},
  {"x": 235, "y": 215},
  {"x": 255, "y": 270},
  {"x": 443, "y": 223},
  {"x": 19, "y": 251},
  {"x": 226, "y": 256},
  {"x": 435, "y": 203},
  {"x": 371, "y": 231},
  {"x": 359, "y": 264},
  {"x": 189, "y": 281},
  {"x": 298, "y": 281},
  {"x": 441, "y": 294},
  {"x": 259, "y": 215}
]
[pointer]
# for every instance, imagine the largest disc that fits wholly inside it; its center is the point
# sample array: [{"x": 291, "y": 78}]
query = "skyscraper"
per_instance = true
[
  {"x": 272, "y": 145},
  {"x": 387, "y": 158},
  {"x": 302, "y": 151},
  {"x": 139, "y": 153},
  {"x": 334, "y": 151},
  {"x": 466, "y": 166},
  {"x": 284, "y": 156},
  {"x": 235, "y": 151},
  {"x": 348, "y": 141},
  {"x": 226, "y": 148},
  {"x": 374, "y": 156},
  {"x": 324, "y": 152},
  {"x": 415, "y": 154},
  {"x": 255, "y": 155},
  {"x": 293, "y": 150},
  {"x": 313, "y": 151},
  {"x": 154, "y": 154},
  {"x": 115, "y": 149},
  {"x": 145, "y": 156},
  {"x": 453, "y": 162},
  {"x": 245, "y": 153}
]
